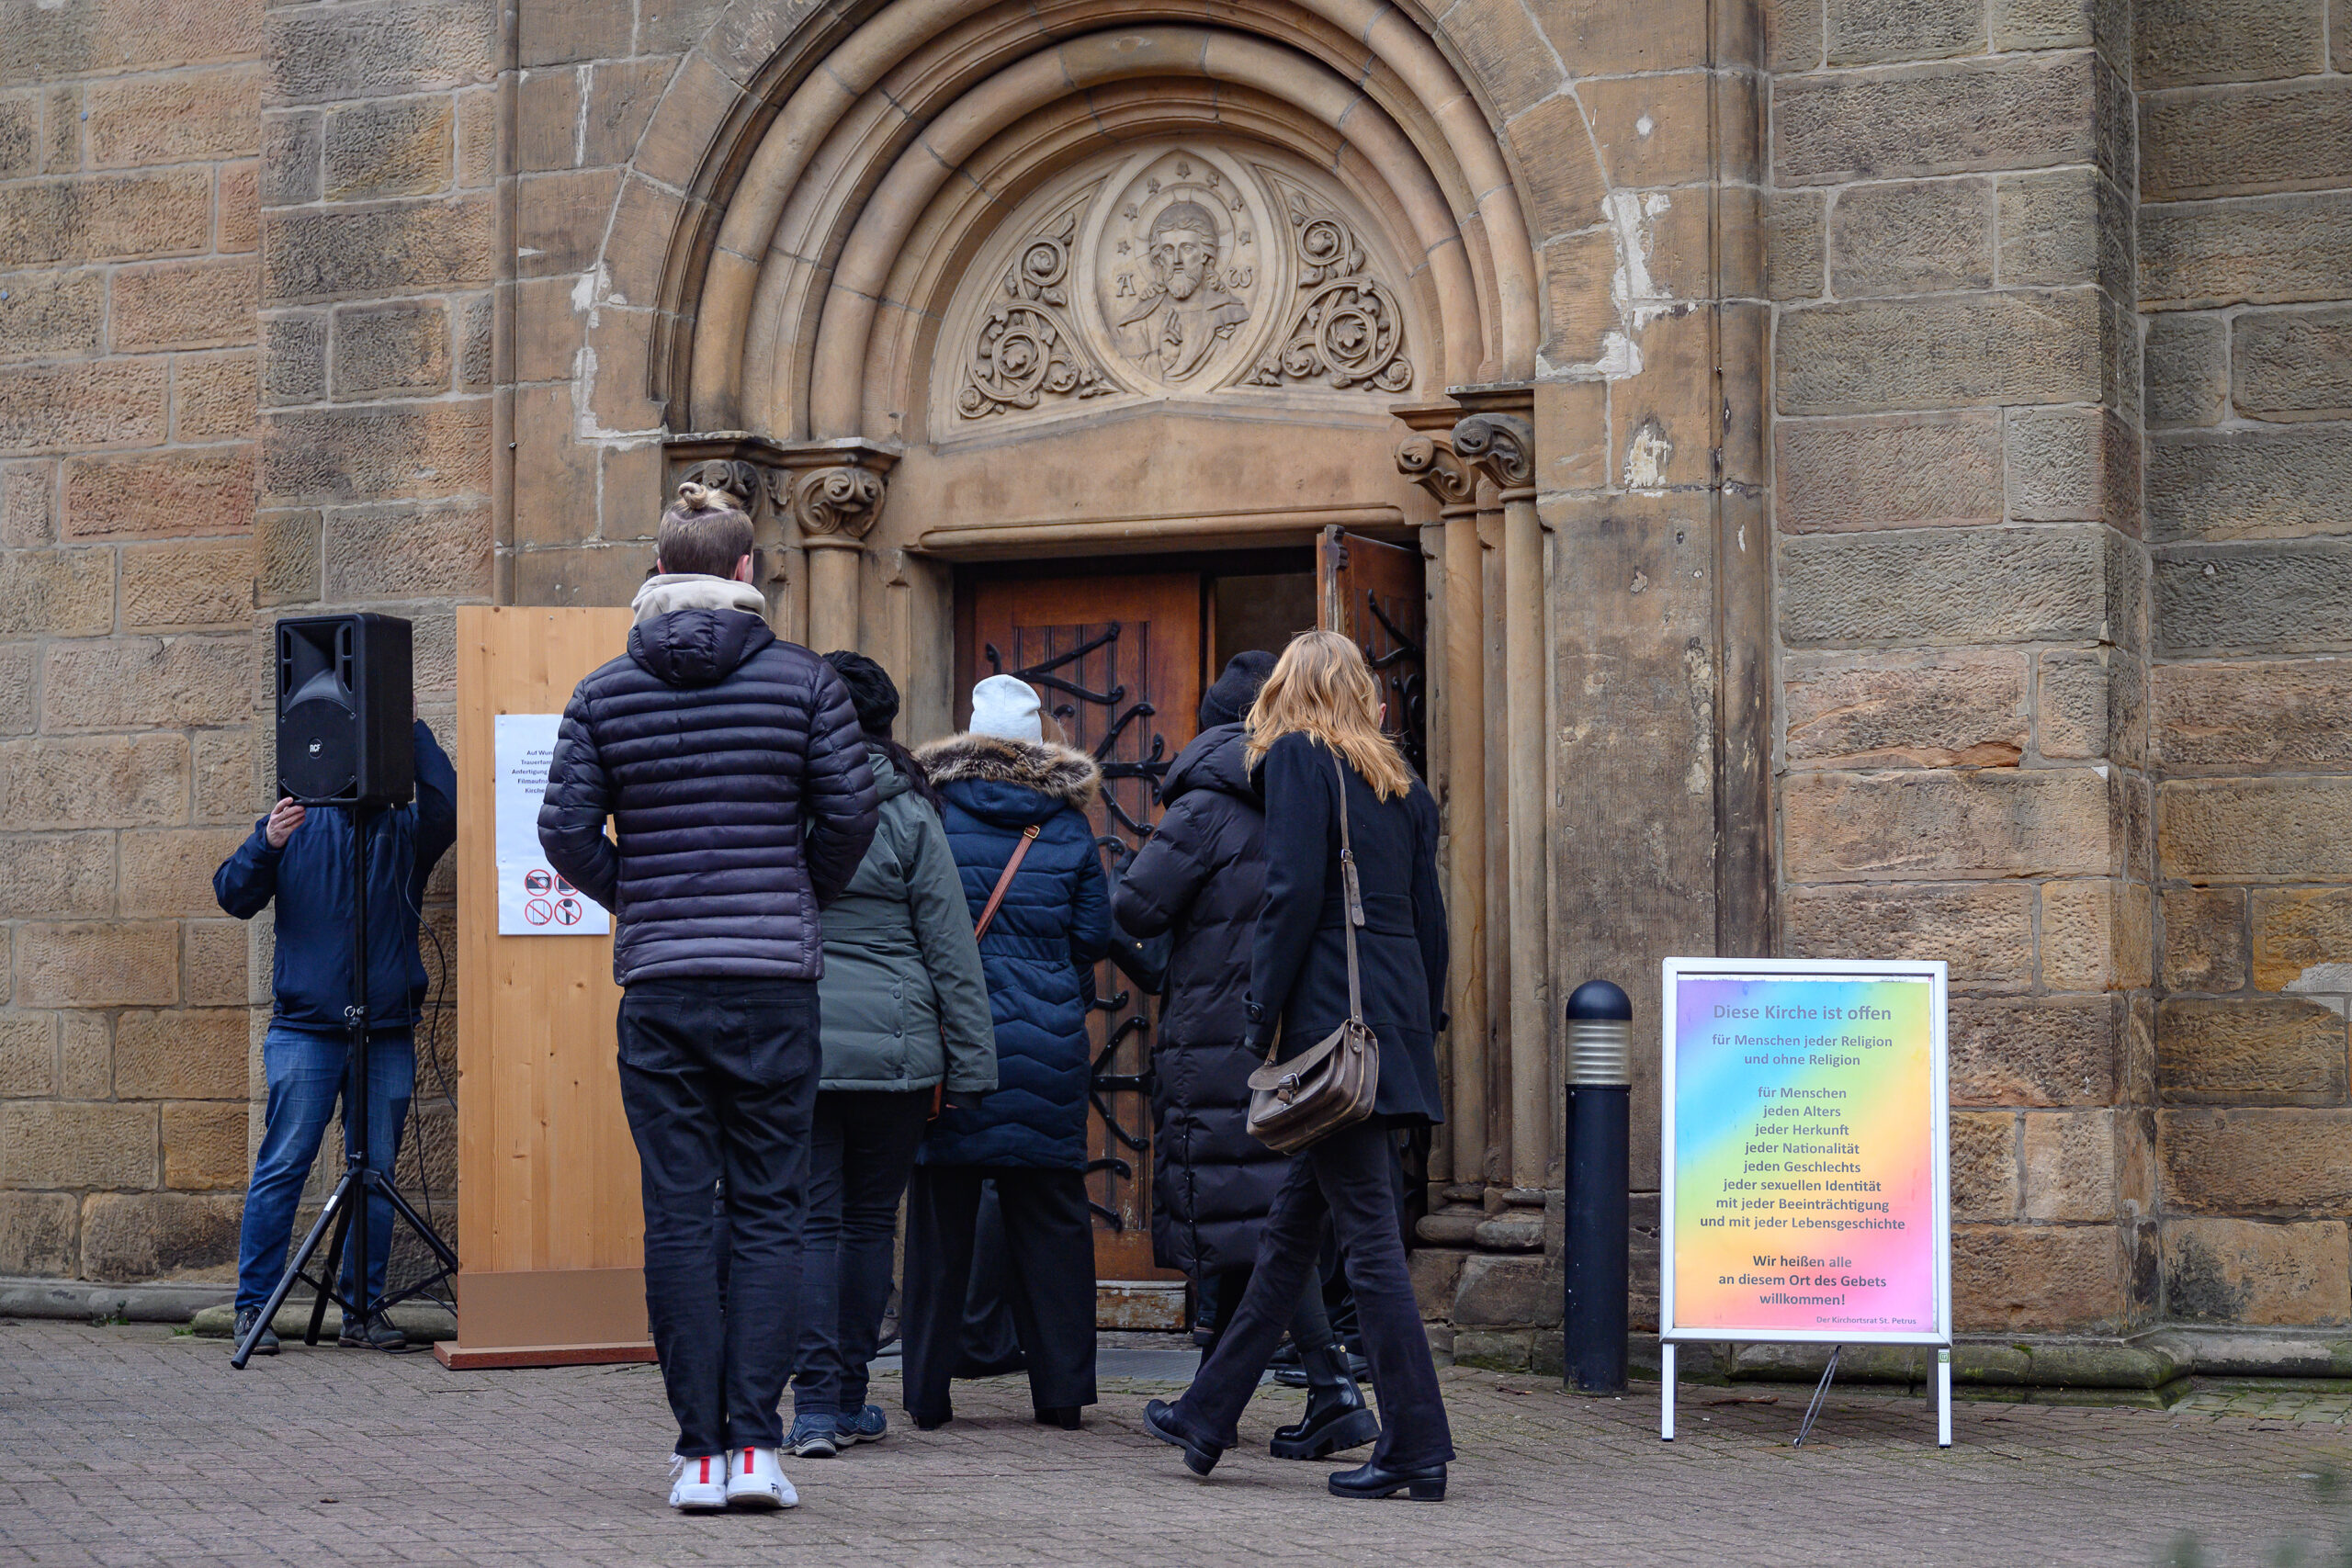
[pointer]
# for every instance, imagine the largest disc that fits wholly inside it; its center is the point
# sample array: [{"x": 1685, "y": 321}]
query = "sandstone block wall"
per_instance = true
[
  {"x": 336, "y": 304},
  {"x": 129, "y": 268},
  {"x": 1962, "y": 599},
  {"x": 2244, "y": 273},
  {"x": 186, "y": 190}
]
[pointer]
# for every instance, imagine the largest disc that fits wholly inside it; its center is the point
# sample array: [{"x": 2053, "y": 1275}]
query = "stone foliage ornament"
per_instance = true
[
  {"x": 1347, "y": 330},
  {"x": 1431, "y": 463},
  {"x": 1503, "y": 445},
  {"x": 840, "y": 502},
  {"x": 1024, "y": 349},
  {"x": 737, "y": 481}
]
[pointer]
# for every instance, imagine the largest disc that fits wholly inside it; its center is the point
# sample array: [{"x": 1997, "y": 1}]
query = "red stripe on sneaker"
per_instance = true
[
  {"x": 747, "y": 1461},
  {"x": 706, "y": 1470}
]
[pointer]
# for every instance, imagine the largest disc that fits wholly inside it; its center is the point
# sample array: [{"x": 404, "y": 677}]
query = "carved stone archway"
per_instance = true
[{"x": 894, "y": 276}]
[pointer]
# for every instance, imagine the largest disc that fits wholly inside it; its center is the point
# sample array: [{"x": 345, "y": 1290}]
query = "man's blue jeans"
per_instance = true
[{"x": 306, "y": 1073}]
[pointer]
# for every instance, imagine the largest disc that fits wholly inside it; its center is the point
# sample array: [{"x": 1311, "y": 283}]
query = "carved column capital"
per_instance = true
[
  {"x": 835, "y": 507},
  {"x": 739, "y": 480},
  {"x": 1431, "y": 462},
  {"x": 1502, "y": 447}
]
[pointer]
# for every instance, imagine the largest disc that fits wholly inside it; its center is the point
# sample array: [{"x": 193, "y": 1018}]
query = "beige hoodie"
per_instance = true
[{"x": 695, "y": 590}]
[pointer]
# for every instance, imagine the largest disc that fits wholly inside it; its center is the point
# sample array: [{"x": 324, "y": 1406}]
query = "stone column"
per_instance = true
[
  {"x": 1430, "y": 460},
  {"x": 1502, "y": 445},
  {"x": 836, "y": 508}
]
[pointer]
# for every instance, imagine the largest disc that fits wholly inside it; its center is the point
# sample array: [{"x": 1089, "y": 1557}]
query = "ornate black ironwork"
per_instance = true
[{"x": 1127, "y": 1021}]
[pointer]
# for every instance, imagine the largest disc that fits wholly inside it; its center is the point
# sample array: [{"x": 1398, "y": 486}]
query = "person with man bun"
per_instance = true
[{"x": 735, "y": 774}]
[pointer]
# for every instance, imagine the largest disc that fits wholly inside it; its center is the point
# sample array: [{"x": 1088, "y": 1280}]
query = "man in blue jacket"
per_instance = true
[
  {"x": 734, "y": 771},
  {"x": 305, "y": 858}
]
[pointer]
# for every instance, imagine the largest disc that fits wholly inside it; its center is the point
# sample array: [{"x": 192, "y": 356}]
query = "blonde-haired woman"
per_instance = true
[{"x": 1321, "y": 704}]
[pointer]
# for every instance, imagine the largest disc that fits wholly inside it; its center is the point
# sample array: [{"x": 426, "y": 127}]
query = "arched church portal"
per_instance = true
[{"x": 1095, "y": 345}]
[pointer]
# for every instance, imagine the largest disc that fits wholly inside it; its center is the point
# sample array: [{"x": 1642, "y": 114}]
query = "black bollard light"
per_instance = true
[{"x": 1600, "y": 1078}]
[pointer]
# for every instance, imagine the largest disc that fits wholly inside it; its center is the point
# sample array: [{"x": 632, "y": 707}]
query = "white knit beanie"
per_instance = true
[{"x": 1004, "y": 706}]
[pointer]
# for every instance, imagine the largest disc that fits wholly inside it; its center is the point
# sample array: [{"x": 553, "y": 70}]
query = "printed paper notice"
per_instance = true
[
  {"x": 1804, "y": 1146},
  {"x": 532, "y": 900}
]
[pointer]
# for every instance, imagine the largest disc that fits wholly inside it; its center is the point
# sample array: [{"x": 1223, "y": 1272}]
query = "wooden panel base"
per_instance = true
[
  {"x": 459, "y": 1358},
  {"x": 549, "y": 1317}
]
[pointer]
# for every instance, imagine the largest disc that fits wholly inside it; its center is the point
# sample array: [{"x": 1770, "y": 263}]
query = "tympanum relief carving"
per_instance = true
[
  {"x": 1180, "y": 270},
  {"x": 1024, "y": 350}
]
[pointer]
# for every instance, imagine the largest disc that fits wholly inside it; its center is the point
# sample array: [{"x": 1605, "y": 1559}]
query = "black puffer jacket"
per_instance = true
[
  {"x": 735, "y": 774},
  {"x": 1202, "y": 875}
]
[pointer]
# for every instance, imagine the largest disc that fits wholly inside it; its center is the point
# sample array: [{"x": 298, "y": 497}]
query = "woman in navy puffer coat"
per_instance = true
[{"x": 1002, "y": 783}]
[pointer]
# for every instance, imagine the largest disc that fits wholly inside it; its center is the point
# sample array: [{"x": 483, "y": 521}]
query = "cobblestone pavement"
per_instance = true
[{"x": 130, "y": 1446}]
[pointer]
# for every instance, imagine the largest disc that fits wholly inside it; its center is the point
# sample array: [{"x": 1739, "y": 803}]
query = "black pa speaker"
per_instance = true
[{"x": 344, "y": 710}]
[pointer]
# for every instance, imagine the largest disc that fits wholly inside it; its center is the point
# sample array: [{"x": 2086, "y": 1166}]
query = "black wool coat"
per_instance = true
[
  {"x": 1298, "y": 974},
  {"x": 1202, "y": 876},
  {"x": 735, "y": 774}
]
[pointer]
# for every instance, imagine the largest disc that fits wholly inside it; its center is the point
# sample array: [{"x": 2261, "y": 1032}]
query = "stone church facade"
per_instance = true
[{"x": 1877, "y": 471}]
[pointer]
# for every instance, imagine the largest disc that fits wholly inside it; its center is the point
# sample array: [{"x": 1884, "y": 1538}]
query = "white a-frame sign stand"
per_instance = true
[{"x": 1805, "y": 1192}]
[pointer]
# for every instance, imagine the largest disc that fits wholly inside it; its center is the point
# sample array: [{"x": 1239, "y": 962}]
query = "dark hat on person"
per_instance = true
[
  {"x": 870, "y": 688},
  {"x": 1227, "y": 701}
]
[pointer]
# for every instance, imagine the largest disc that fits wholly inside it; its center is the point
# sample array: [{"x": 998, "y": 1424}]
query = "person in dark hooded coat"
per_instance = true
[
  {"x": 1202, "y": 876},
  {"x": 1001, "y": 784},
  {"x": 732, "y": 768}
]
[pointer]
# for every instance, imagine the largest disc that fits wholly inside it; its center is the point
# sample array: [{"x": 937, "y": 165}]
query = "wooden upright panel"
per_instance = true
[{"x": 550, "y": 1228}]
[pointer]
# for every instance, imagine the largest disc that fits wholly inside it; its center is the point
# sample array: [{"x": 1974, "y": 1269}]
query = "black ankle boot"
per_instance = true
[
  {"x": 1159, "y": 1420},
  {"x": 1066, "y": 1417},
  {"x": 1337, "y": 1418},
  {"x": 1371, "y": 1481}
]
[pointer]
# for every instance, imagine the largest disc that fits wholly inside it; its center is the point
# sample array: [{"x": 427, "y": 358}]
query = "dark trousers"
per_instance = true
[
  {"x": 719, "y": 1080},
  {"x": 861, "y": 1155},
  {"x": 1310, "y": 1322},
  {"x": 1348, "y": 1176},
  {"x": 992, "y": 1341},
  {"x": 1049, "y": 1242}
]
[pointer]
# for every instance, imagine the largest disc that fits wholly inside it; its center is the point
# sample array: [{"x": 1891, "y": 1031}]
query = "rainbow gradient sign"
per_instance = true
[{"x": 1805, "y": 1192}]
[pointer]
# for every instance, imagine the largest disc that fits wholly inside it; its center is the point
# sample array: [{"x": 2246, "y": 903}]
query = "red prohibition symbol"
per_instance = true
[
  {"x": 567, "y": 911},
  {"x": 538, "y": 882},
  {"x": 537, "y": 911}
]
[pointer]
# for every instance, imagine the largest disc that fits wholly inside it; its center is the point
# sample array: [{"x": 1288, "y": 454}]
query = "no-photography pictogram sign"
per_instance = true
[{"x": 534, "y": 899}]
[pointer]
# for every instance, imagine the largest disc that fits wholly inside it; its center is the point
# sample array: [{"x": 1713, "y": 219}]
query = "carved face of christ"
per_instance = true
[{"x": 1184, "y": 258}]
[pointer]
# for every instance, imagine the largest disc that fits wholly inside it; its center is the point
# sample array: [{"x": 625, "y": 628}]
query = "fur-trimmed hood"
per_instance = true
[{"x": 1063, "y": 774}]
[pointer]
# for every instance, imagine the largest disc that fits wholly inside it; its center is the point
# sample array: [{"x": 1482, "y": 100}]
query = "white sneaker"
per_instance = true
[
  {"x": 754, "y": 1480},
  {"x": 699, "y": 1485}
]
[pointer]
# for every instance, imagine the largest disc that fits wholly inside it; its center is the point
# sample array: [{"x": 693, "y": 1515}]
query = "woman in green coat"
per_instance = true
[{"x": 905, "y": 1027}]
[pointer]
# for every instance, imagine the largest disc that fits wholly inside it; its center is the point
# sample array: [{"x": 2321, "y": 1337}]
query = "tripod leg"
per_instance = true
[
  {"x": 330, "y": 1281},
  {"x": 402, "y": 1206},
  {"x": 327, "y": 1216}
]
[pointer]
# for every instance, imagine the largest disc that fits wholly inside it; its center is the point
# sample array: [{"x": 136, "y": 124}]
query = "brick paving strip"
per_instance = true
[{"x": 129, "y": 1445}]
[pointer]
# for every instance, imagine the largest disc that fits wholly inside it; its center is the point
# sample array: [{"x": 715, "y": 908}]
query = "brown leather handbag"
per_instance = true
[{"x": 1333, "y": 1083}]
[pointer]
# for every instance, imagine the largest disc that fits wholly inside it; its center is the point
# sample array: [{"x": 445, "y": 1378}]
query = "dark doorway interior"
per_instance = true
[{"x": 1258, "y": 610}]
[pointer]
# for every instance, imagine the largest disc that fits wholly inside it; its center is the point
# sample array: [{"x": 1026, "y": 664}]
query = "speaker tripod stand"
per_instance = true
[{"x": 346, "y": 1207}]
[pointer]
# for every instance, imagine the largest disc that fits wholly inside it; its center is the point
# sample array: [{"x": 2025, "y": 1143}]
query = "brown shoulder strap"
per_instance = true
[
  {"x": 1352, "y": 896},
  {"x": 1354, "y": 891},
  {"x": 1003, "y": 881}
]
